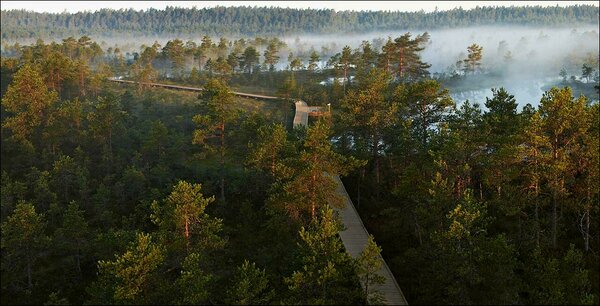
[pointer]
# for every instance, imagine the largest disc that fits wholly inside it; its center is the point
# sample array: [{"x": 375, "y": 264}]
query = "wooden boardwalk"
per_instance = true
[
  {"x": 355, "y": 235},
  {"x": 196, "y": 89}
]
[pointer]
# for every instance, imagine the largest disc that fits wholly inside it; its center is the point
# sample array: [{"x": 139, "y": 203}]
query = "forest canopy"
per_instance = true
[{"x": 176, "y": 172}]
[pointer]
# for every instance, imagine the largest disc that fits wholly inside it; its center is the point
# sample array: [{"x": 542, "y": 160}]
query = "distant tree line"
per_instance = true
[{"x": 19, "y": 24}]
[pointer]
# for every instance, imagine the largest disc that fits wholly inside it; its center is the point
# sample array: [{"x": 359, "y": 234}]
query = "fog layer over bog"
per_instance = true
[{"x": 521, "y": 59}]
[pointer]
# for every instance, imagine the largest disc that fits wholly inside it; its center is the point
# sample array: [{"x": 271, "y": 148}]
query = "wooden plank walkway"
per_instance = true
[
  {"x": 355, "y": 235},
  {"x": 196, "y": 89}
]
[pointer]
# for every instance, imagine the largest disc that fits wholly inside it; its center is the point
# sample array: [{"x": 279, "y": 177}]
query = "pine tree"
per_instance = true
[
  {"x": 345, "y": 61},
  {"x": 218, "y": 103},
  {"x": 73, "y": 237},
  {"x": 426, "y": 103},
  {"x": 587, "y": 178},
  {"x": 310, "y": 186},
  {"x": 586, "y": 72},
  {"x": 127, "y": 278},
  {"x": 23, "y": 245},
  {"x": 326, "y": 266},
  {"x": 563, "y": 75},
  {"x": 386, "y": 56},
  {"x": 103, "y": 124},
  {"x": 233, "y": 61},
  {"x": 249, "y": 59},
  {"x": 271, "y": 57},
  {"x": 194, "y": 282},
  {"x": 502, "y": 126},
  {"x": 267, "y": 152},
  {"x": 369, "y": 263},
  {"x": 174, "y": 50},
  {"x": 368, "y": 114},
  {"x": 183, "y": 221},
  {"x": 250, "y": 286},
  {"x": 473, "y": 60},
  {"x": 472, "y": 266},
  {"x": 29, "y": 101},
  {"x": 156, "y": 142},
  {"x": 314, "y": 59},
  {"x": 563, "y": 121}
]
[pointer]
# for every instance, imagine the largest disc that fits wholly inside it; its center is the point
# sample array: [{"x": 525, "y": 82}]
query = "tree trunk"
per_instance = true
[
  {"x": 360, "y": 179},
  {"x": 537, "y": 223},
  {"x": 312, "y": 197},
  {"x": 110, "y": 150},
  {"x": 586, "y": 237},
  {"x": 187, "y": 234},
  {"x": 223, "y": 161},
  {"x": 401, "y": 63},
  {"x": 387, "y": 66},
  {"x": 29, "y": 280},
  {"x": 367, "y": 289},
  {"x": 377, "y": 177},
  {"x": 78, "y": 257},
  {"x": 273, "y": 163},
  {"x": 554, "y": 218},
  {"x": 312, "y": 189},
  {"x": 519, "y": 224},
  {"x": 376, "y": 160},
  {"x": 418, "y": 229},
  {"x": 82, "y": 84},
  {"x": 345, "y": 79}
]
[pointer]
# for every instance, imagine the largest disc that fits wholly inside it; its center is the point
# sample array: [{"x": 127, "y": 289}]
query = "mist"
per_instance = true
[{"x": 537, "y": 54}]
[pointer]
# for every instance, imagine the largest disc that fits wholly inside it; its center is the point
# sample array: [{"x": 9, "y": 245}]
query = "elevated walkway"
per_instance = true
[{"x": 355, "y": 235}]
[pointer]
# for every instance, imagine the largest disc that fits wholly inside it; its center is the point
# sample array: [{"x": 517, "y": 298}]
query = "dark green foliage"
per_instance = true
[
  {"x": 23, "y": 245},
  {"x": 247, "y": 20},
  {"x": 250, "y": 286},
  {"x": 368, "y": 265},
  {"x": 326, "y": 268},
  {"x": 470, "y": 205},
  {"x": 128, "y": 278}
]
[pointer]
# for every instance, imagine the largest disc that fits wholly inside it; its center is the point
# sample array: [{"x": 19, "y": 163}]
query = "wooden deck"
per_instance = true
[{"x": 355, "y": 235}]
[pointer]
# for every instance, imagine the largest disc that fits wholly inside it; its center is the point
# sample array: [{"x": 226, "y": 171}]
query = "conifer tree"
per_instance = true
[
  {"x": 128, "y": 278},
  {"x": 368, "y": 265},
  {"x": 29, "y": 101},
  {"x": 217, "y": 101},
  {"x": 473, "y": 60},
  {"x": 326, "y": 266},
  {"x": 23, "y": 245},
  {"x": 250, "y": 286}
]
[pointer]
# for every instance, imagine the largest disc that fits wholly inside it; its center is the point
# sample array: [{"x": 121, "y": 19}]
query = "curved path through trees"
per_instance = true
[{"x": 355, "y": 235}]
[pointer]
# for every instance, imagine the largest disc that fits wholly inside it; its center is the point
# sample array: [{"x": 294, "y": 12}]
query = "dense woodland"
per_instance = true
[
  {"x": 127, "y": 194},
  {"x": 232, "y": 21}
]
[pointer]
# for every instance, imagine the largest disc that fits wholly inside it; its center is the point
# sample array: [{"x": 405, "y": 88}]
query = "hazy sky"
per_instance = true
[{"x": 428, "y": 6}]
